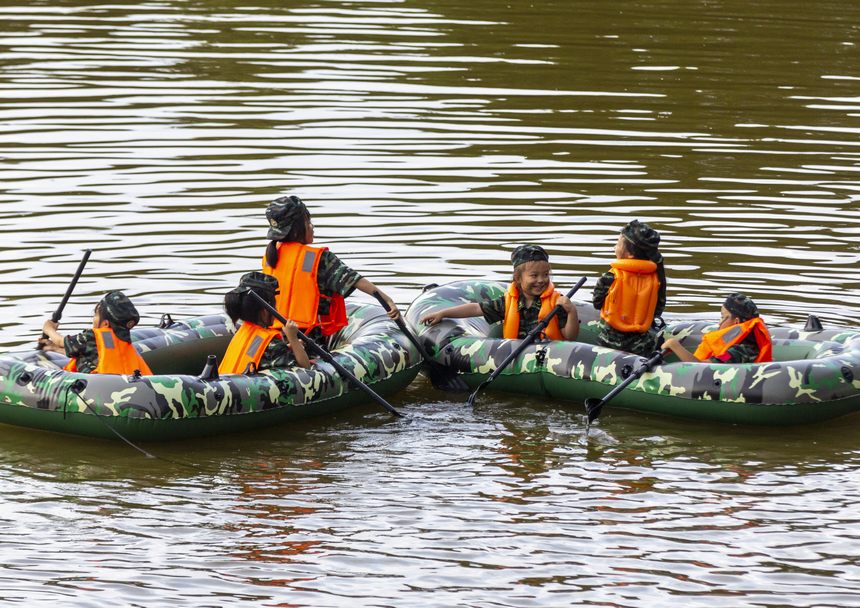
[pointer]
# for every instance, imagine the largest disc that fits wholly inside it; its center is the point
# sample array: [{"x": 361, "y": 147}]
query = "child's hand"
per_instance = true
[
  {"x": 291, "y": 331},
  {"x": 393, "y": 312},
  {"x": 566, "y": 304},
  {"x": 431, "y": 319},
  {"x": 51, "y": 347},
  {"x": 49, "y": 326},
  {"x": 671, "y": 344}
]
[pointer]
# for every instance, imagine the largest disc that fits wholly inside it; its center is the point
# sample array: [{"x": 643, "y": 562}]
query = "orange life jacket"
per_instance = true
[
  {"x": 115, "y": 356},
  {"x": 632, "y": 299},
  {"x": 716, "y": 343},
  {"x": 548, "y": 300},
  {"x": 299, "y": 296},
  {"x": 246, "y": 347}
]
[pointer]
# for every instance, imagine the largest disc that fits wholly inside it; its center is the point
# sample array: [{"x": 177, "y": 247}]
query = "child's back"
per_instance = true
[{"x": 632, "y": 295}]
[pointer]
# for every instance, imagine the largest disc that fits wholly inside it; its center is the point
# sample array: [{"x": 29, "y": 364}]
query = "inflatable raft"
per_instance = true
[
  {"x": 177, "y": 403},
  {"x": 815, "y": 375}
]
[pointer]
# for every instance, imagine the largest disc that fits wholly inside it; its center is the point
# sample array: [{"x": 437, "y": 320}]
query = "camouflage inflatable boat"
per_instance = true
[
  {"x": 176, "y": 403},
  {"x": 815, "y": 375}
]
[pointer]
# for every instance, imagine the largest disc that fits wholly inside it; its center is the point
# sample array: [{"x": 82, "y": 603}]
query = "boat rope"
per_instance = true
[{"x": 79, "y": 386}]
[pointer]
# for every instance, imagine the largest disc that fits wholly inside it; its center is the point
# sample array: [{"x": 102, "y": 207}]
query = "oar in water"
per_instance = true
[
  {"x": 327, "y": 357},
  {"x": 58, "y": 314},
  {"x": 593, "y": 406},
  {"x": 530, "y": 337},
  {"x": 442, "y": 377}
]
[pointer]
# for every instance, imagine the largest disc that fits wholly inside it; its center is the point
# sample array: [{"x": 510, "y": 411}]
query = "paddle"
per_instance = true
[
  {"x": 530, "y": 337},
  {"x": 442, "y": 377},
  {"x": 326, "y": 356},
  {"x": 593, "y": 405},
  {"x": 59, "y": 312}
]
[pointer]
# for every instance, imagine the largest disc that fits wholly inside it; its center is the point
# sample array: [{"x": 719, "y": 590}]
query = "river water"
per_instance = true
[{"x": 429, "y": 138}]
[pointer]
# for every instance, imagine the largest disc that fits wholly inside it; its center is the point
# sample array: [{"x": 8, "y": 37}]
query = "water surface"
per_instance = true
[{"x": 429, "y": 138}]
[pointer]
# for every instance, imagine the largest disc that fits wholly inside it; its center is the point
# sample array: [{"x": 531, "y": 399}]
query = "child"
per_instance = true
[
  {"x": 742, "y": 336},
  {"x": 314, "y": 282},
  {"x": 256, "y": 342},
  {"x": 632, "y": 295},
  {"x": 104, "y": 349},
  {"x": 529, "y": 298}
]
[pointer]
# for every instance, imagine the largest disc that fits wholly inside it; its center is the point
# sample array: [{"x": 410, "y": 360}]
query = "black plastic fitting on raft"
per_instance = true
[
  {"x": 210, "y": 370},
  {"x": 813, "y": 324}
]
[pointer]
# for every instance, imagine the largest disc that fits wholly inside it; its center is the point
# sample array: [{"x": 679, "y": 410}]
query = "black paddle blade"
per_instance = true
[
  {"x": 593, "y": 407},
  {"x": 445, "y": 378},
  {"x": 473, "y": 396}
]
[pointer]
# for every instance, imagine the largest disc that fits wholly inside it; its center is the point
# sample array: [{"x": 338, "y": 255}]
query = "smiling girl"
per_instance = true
[{"x": 529, "y": 298}]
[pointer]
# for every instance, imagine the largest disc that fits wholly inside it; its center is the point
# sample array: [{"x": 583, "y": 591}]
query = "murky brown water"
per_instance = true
[{"x": 430, "y": 137}]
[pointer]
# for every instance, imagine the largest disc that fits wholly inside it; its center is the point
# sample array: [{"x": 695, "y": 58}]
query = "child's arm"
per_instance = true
[
  {"x": 291, "y": 333},
  {"x": 570, "y": 331},
  {"x": 683, "y": 354},
  {"x": 366, "y": 286},
  {"x": 54, "y": 341},
  {"x": 601, "y": 290},
  {"x": 473, "y": 309}
]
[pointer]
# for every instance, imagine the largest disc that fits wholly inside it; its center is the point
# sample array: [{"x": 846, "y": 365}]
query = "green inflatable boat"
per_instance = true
[
  {"x": 815, "y": 374},
  {"x": 179, "y": 401}
]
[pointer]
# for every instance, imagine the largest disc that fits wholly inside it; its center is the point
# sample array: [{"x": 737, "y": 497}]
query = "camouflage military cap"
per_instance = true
[
  {"x": 741, "y": 306},
  {"x": 641, "y": 236},
  {"x": 282, "y": 214},
  {"x": 120, "y": 313},
  {"x": 264, "y": 284},
  {"x": 528, "y": 253}
]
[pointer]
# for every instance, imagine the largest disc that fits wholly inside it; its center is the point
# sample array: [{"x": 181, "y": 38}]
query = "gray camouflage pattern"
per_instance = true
[
  {"x": 371, "y": 346},
  {"x": 816, "y": 375}
]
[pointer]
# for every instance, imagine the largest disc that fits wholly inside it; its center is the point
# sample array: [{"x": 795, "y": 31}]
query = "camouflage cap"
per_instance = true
[
  {"x": 258, "y": 281},
  {"x": 528, "y": 253},
  {"x": 120, "y": 313},
  {"x": 741, "y": 306},
  {"x": 281, "y": 214},
  {"x": 641, "y": 236}
]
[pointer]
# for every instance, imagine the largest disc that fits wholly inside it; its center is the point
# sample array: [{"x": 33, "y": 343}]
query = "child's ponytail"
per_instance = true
[{"x": 272, "y": 254}]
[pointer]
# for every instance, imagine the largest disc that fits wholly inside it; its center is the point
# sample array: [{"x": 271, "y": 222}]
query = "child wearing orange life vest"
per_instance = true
[
  {"x": 741, "y": 337},
  {"x": 313, "y": 280},
  {"x": 257, "y": 345},
  {"x": 529, "y": 298},
  {"x": 104, "y": 349},
  {"x": 632, "y": 295}
]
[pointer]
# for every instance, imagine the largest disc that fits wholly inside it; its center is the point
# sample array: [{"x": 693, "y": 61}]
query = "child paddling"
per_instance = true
[
  {"x": 257, "y": 345},
  {"x": 741, "y": 337},
  {"x": 529, "y": 298},
  {"x": 104, "y": 349},
  {"x": 313, "y": 280}
]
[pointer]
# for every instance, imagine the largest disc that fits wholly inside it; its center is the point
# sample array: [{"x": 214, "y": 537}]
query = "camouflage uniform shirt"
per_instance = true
[
  {"x": 494, "y": 312},
  {"x": 277, "y": 354},
  {"x": 83, "y": 347},
  {"x": 643, "y": 344},
  {"x": 333, "y": 277}
]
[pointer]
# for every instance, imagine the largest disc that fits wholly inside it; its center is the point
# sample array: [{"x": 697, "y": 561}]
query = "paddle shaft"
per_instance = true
[
  {"x": 530, "y": 337},
  {"x": 58, "y": 314},
  {"x": 442, "y": 377},
  {"x": 328, "y": 358},
  {"x": 400, "y": 323},
  {"x": 593, "y": 408}
]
